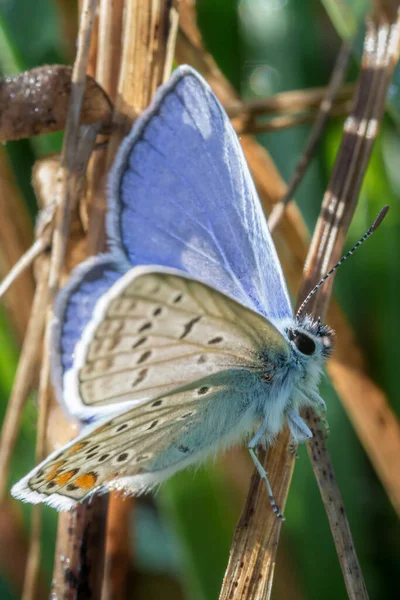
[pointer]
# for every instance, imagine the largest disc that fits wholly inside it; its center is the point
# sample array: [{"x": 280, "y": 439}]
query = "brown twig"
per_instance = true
[
  {"x": 286, "y": 121},
  {"x": 79, "y": 555},
  {"x": 36, "y": 102},
  {"x": 13, "y": 549},
  {"x": 16, "y": 233},
  {"x": 293, "y": 101},
  {"x": 325, "y": 108}
]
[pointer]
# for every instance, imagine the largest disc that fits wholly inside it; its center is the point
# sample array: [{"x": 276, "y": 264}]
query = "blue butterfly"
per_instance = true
[{"x": 181, "y": 341}]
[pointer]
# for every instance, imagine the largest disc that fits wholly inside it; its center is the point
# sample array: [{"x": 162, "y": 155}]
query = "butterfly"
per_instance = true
[{"x": 181, "y": 341}]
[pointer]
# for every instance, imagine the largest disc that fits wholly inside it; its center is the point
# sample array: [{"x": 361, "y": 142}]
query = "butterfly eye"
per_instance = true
[{"x": 303, "y": 342}]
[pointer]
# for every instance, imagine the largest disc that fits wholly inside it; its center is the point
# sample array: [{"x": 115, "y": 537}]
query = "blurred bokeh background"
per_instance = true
[{"x": 181, "y": 538}]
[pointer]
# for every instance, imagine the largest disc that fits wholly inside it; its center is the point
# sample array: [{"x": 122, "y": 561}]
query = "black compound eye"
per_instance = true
[{"x": 303, "y": 342}]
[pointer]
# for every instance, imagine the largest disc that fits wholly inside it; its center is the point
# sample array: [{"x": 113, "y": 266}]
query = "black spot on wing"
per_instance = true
[
  {"x": 139, "y": 342},
  {"x": 216, "y": 340},
  {"x": 122, "y": 427},
  {"x": 189, "y": 326},
  {"x": 144, "y": 327},
  {"x": 140, "y": 377},
  {"x": 144, "y": 357}
]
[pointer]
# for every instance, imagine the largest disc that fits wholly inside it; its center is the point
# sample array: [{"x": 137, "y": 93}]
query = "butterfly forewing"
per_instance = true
[
  {"x": 159, "y": 330},
  {"x": 181, "y": 195}
]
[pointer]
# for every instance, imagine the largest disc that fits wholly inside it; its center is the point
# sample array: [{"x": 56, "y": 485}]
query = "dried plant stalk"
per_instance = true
[
  {"x": 16, "y": 232},
  {"x": 13, "y": 549},
  {"x": 78, "y": 575},
  {"x": 293, "y": 101},
  {"x": 315, "y": 135},
  {"x": 287, "y": 122}
]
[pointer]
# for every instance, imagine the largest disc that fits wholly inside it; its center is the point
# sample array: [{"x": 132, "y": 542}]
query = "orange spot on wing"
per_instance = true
[
  {"x": 102, "y": 427},
  {"x": 86, "y": 481},
  {"x": 54, "y": 470},
  {"x": 76, "y": 447},
  {"x": 65, "y": 477}
]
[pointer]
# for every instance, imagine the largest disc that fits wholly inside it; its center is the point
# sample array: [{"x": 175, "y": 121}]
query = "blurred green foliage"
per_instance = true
[{"x": 263, "y": 46}]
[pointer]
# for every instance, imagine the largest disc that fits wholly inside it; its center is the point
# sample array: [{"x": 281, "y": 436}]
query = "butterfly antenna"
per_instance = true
[{"x": 366, "y": 235}]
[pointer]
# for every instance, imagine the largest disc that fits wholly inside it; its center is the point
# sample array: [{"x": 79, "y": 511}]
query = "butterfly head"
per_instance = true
[{"x": 310, "y": 338}]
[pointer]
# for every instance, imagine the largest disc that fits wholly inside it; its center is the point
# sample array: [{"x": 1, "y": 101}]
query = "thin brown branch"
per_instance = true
[
  {"x": 118, "y": 555},
  {"x": 79, "y": 555},
  {"x": 36, "y": 102},
  {"x": 13, "y": 549},
  {"x": 293, "y": 101},
  {"x": 325, "y": 108},
  {"x": 16, "y": 233},
  {"x": 286, "y": 121},
  {"x": 26, "y": 261}
]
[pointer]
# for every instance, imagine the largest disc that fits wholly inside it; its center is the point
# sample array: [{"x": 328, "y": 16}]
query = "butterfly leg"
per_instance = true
[
  {"x": 263, "y": 474},
  {"x": 293, "y": 445},
  {"x": 320, "y": 408}
]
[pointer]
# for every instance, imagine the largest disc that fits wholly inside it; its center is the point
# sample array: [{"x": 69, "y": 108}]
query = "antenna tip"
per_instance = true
[{"x": 379, "y": 218}]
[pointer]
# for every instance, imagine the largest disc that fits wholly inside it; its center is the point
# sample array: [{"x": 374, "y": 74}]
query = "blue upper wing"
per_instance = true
[
  {"x": 74, "y": 309},
  {"x": 181, "y": 195}
]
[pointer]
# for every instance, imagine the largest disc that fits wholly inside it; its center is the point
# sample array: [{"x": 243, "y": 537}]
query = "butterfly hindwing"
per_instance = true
[
  {"x": 74, "y": 309},
  {"x": 181, "y": 195},
  {"x": 139, "y": 448},
  {"x": 156, "y": 330}
]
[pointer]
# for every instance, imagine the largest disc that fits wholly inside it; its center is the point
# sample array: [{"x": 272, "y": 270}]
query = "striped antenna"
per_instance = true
[{"x": 366, "y": 235}]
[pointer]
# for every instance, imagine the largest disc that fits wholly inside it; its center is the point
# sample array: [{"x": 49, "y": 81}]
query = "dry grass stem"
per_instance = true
[
  {"x": 293, "y": 101},
  {"x": 16, "y": 233},
  {"x": 287, "y": 121},
  {"x": 26, "y": 261},
  {"x": 106, "y": 58},
  {"x": 325, "y": 107},
  {"x": 118, "y": 553},
  {"x": 79, "y": 555},
  {"x": 13, "y": 549}
]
